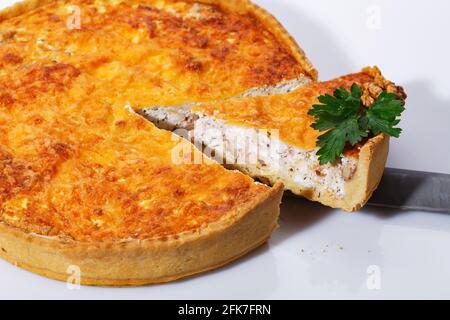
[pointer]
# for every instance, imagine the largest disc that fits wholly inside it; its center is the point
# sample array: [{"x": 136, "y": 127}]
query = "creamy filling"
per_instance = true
[
  {"x": 262, "y": 153},
  {"x": 259, "y": 153},
  {"x": 283, "y": 87}
]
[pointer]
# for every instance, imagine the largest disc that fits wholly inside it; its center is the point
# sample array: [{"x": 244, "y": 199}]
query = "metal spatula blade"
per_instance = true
[{"x": 413, "y": 190}]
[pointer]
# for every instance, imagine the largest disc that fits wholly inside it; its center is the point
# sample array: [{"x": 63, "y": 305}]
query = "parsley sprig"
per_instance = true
[{"x": 346, "y": 121}]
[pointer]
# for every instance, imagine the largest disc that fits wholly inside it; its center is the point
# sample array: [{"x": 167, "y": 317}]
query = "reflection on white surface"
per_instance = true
[
  {"x": 423, "y": 265},
  {"x": 318, "y": 252},
  {"x": 335, "y": 251}
]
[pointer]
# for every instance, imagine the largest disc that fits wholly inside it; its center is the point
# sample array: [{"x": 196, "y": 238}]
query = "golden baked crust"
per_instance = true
[
  {"x": 86, "y": 182},
  {"x": 141, "y": 262}
]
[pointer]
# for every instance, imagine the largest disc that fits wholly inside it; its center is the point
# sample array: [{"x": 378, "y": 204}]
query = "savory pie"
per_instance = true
[{"x": 86, "y": 182}]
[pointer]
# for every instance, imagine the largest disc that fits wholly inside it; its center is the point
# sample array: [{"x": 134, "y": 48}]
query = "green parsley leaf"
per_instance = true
[
  {"x": 382, "y": 116},
  {"x": 332, "y": 143},
  {"x": 346, "y": 121}
]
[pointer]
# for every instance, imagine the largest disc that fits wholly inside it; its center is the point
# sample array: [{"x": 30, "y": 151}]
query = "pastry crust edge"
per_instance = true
[
  {"x": 143, "y": 262},
  {"x": 358, "y": 191}
]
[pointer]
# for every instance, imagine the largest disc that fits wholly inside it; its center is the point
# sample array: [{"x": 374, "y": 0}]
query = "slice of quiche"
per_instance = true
[
  {"x": 87, "y": 185},
  {"x": 271, "y": 138}
]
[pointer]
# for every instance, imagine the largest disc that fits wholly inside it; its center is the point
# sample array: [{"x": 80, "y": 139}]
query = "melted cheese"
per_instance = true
[
  {"x": 93, "y": 171},
  {"x": 151, "y": 52}
]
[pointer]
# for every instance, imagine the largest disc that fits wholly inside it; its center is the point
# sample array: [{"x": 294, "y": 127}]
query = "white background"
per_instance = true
[{"x": 319, "y": 252}]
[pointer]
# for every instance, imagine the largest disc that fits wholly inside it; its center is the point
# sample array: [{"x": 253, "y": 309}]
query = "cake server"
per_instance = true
[{"x": 413, "y": 190}]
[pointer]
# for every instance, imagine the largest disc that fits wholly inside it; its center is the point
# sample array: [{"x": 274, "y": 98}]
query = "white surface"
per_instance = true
[{"x": 410, "y": 249}]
